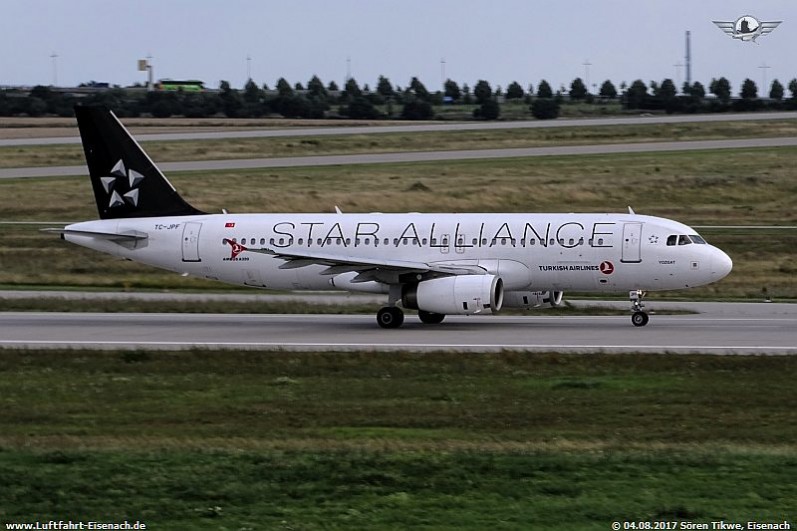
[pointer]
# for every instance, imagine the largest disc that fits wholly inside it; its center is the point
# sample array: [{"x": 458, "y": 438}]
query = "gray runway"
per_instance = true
[
  {"x": 419, "y": 156},
  {"x": 422, "y": 128},
  {"x": 767, "y": 332}
]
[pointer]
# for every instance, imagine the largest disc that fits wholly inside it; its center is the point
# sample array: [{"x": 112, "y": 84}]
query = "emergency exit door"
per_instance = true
[{"x": 191, "y": 241}]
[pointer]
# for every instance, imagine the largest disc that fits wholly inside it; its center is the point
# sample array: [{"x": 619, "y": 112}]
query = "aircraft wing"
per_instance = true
[{"x": 368, "y": 269}]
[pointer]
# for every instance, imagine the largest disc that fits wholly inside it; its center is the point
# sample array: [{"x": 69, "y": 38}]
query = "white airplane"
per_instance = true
[{"x": 438, "y": 264}]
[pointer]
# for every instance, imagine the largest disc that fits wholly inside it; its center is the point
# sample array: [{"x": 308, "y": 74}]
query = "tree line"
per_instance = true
[{"x": 413, "y": 102}]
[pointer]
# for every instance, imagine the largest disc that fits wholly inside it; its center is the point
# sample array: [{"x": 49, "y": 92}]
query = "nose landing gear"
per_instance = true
[{"x": 639, "y": 317}]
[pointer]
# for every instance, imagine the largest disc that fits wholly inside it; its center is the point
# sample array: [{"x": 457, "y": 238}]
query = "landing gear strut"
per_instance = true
[{"x": 639, "y": 317}]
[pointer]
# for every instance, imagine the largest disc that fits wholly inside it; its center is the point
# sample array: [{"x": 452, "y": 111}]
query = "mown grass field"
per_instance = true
[
  {"x": 720, "y": 187},
  {"x": 230, "y": 440},
  {"x": 56, "y": 155}
]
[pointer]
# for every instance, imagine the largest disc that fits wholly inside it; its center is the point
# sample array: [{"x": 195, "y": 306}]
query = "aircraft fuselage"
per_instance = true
[{"x": 582, "y": 252}]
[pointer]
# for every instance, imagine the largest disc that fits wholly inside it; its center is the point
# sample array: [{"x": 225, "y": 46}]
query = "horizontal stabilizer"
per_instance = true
[{"x": 132, "y": 235}]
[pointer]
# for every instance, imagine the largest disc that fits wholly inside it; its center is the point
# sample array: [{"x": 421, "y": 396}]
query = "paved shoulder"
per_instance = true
[{"x": 416, "y": 128}]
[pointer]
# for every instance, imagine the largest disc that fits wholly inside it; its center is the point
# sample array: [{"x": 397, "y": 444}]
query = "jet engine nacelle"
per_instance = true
[
  {"x": 528, "y": 300},
  {"x": 456, "y": 295}
]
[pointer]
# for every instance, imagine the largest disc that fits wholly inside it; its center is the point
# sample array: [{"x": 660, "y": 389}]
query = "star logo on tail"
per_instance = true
[{"x": 121, "y": 185}]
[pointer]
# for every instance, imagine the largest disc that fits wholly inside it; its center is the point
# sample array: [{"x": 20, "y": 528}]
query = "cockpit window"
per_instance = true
[{"x": 683, "y": 239}]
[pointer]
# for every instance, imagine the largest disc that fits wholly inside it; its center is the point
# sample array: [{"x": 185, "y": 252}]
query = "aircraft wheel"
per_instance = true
[
  {"x": 390, "y": 317},
  {"x": 431, "y": 317},
  {"x": 640, "y": 318}
]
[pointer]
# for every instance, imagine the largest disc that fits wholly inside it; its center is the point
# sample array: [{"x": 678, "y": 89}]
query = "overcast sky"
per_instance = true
[{"x": 500, "y": 41}]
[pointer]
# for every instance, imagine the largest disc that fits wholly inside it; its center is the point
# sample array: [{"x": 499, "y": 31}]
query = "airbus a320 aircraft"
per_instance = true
[{"x": 438, "y": 264}]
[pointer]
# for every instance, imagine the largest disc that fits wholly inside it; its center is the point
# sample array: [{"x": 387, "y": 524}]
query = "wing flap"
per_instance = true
[{"x": 338, "y": 264}]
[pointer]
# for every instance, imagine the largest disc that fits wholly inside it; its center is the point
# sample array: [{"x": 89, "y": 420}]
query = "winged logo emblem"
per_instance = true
[{"x": 747, "y": 28}]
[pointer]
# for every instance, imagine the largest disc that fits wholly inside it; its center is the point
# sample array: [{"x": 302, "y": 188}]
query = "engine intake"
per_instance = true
[{"x": 456, "y": 295}]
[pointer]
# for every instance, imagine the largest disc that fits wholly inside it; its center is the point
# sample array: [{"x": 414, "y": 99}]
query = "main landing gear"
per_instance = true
[
  {"x": 431, "y": 317},
  {"x": 639, "y": 317},
  {"x": 393, "y": 317},
  {"x": 390, "y": 317}
]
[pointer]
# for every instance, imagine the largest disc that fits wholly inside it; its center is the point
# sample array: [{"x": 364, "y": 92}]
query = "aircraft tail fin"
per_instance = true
[{"x": 126, "y": 182}]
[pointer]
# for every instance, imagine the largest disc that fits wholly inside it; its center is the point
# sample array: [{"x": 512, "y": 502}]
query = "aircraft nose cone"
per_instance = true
[{"x": 721, "y": 264}]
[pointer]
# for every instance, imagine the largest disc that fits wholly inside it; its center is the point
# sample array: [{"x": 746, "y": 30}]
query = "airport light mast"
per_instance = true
[
  {"x": 145, "y": 65},
  {"x": 54, "y": 57},
  {"x": 688, "y": 58}
]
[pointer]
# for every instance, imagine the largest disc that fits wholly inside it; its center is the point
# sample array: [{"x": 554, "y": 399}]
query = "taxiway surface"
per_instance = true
[
  {"x": 765, "y": 333},
  {"x": 420, "y": 156}
]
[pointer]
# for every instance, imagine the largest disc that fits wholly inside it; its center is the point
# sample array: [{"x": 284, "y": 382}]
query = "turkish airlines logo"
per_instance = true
[
  {"x": 607, "y": 268},
  {"x": 235, "y": 249}
]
